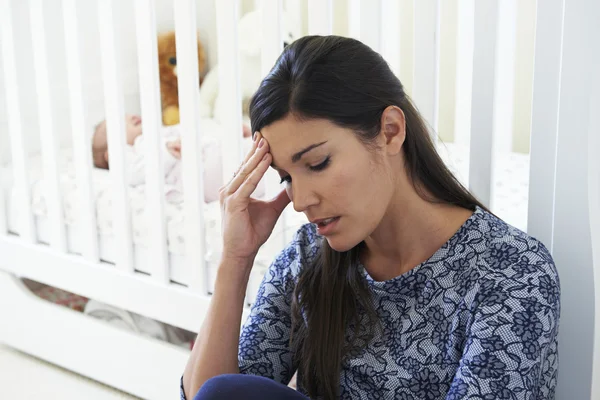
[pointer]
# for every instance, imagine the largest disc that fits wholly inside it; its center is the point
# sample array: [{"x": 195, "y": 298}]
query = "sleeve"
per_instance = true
[
  {"x": 264, "y": 341},
  {"x": 511, "y": 349}
]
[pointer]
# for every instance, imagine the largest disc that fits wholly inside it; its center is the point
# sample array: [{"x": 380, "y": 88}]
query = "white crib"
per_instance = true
[{"x": 50, "y": 226}]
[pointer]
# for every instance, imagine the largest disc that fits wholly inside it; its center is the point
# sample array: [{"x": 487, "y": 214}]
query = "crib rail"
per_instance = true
[
  {"x": 272, "y": 45},
  {"x": 481, "y": 156},
  {"x": 151, "y": 111},
  {"x": 227, "y": 15},
  {"x": 187, "y": 66},
  {"x": 390, "y": 34},
  {"x": 354, "y": 19},
  {"x": 320, "y": 17},
  {"x": 81, "y": 143},
  {"x": 545, "y": 113},
  {"x": 18, "y": 148},
  {"x": 3, "y": 219},
  {"x": 48, "y": 136},
  {"x": 427, "y": 50},
  {"x": 115, "y": 126}
]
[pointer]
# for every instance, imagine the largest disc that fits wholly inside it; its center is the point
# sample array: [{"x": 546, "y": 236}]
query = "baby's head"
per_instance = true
[{"x": 133, "y": 128}]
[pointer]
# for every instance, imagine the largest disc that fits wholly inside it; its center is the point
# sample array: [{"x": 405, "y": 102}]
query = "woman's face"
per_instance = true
[{"x": 332, "y": 177}]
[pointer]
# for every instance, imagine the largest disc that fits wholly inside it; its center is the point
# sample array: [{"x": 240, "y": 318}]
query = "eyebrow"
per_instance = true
[{"x": 296, "y": 157}]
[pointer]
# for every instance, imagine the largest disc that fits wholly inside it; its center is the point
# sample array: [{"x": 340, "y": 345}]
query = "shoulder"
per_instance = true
[
  {"x": 512, "y": 262},
  {"x": 507, "y": 247}
]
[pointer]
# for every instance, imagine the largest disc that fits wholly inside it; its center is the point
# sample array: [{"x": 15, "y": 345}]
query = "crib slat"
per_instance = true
[
  {"x": 544, "y": 119},
  {"x": 427, "y": 54},
  {"x": 115, "y": 125},
  {"x": 320, "y": 17},
  {"x": 81, "y": 140},
  {"x": 49, "y": 139},
  {"x": 192, "y": 166},
  {"x": 229, "y": 85},
  {"x": 390, "y": 33},
  {"x": 151, "y": 111},
  {"x": 271, "y": 34},
  {"x": 482, "y": 110},
  {"x": 354, "y": 19},
  {"x": 26, "y": 225},
  {"x": 464, "y": 71},
  {"x": 371, "y": 22},
  {"x": 3, "y": 215},
  {"x": 271, "y": 49}
]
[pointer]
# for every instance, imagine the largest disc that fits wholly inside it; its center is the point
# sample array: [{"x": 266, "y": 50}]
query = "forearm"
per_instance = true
[{"x": 216, "y": 349}]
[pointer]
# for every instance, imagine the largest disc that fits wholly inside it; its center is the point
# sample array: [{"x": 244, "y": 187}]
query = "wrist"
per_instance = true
[
  {"x": 236, "y": 267},
  {"x": 232, "y": 277}
]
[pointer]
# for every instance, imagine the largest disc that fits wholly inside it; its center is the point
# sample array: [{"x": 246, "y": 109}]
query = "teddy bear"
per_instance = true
[
  {"x": 249, "y": 57},
  {"x": 167, "y": 65}
]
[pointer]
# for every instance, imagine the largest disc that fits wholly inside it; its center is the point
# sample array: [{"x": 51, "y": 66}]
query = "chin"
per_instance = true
[{"x": 341, "y": 244}]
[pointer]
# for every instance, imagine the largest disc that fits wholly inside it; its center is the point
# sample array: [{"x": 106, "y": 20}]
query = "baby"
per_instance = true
[{"x": 171, "y": 138}]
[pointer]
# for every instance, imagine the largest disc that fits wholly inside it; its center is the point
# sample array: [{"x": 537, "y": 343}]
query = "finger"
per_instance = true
[
  {"x": 248, "y": 167},
  {"x": 255, "y": 141},
  {"x": 249, "y": 184}
]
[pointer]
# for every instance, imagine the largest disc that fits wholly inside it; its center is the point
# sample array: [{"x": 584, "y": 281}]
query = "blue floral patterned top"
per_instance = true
[{"x": 478, "y": 320}]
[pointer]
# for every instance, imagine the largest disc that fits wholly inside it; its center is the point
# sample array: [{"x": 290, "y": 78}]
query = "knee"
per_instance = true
[{"x": 220, "y": 387}]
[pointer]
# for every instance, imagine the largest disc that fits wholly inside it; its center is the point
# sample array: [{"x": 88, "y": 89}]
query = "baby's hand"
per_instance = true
[{"x": 174, "y": 148}]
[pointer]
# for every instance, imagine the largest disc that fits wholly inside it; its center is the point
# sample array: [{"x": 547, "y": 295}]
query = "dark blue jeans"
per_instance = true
[{"x": 246, "y": 387}]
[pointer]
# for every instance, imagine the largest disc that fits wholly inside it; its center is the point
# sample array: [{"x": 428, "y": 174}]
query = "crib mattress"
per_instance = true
[{"x": 102, "y": 184}]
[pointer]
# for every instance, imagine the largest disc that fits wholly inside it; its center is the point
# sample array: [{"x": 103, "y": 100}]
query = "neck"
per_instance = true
[{"x": 411, "y": 231}]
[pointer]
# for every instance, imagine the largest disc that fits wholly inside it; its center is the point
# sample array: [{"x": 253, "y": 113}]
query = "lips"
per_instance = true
[{"x": 324, "y": 221}]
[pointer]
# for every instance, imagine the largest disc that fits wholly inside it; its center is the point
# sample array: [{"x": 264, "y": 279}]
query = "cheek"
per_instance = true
[
  {"x": 345, "y": 185},
  {"x": 360, "y": 186}
]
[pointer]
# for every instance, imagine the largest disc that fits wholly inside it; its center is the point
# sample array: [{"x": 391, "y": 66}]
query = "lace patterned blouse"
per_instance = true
[{"x": 479, "y": 319}]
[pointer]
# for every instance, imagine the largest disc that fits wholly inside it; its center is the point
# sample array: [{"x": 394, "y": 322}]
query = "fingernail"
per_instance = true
[
  {"x": 255, "y": 136},
  {"x": 261, "y": 143}
]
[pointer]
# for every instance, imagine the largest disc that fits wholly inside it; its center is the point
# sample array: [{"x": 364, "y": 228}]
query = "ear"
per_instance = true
[{"x": 393, "y": 128}]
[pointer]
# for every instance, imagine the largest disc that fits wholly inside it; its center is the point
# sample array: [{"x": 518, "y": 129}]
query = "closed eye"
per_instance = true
[
  {"x": 321, "y": 166},
  {"x": 316, "y": 168}
]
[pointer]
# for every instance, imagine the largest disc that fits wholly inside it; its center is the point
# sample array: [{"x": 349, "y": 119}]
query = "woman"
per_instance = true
[{"x": 403, "y": 287}]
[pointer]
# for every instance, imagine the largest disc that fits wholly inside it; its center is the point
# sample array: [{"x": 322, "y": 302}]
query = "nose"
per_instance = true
[{"x": 303, "y": 197}]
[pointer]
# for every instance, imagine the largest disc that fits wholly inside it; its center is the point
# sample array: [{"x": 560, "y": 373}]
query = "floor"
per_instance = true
[{"x": 19, "y": 370}]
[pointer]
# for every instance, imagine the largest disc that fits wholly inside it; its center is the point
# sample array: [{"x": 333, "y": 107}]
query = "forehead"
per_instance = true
[{"x": 292, "y": 134}]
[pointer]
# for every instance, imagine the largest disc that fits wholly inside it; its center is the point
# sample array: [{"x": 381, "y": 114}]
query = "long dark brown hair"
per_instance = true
[{"x": 344, "y": 81}]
